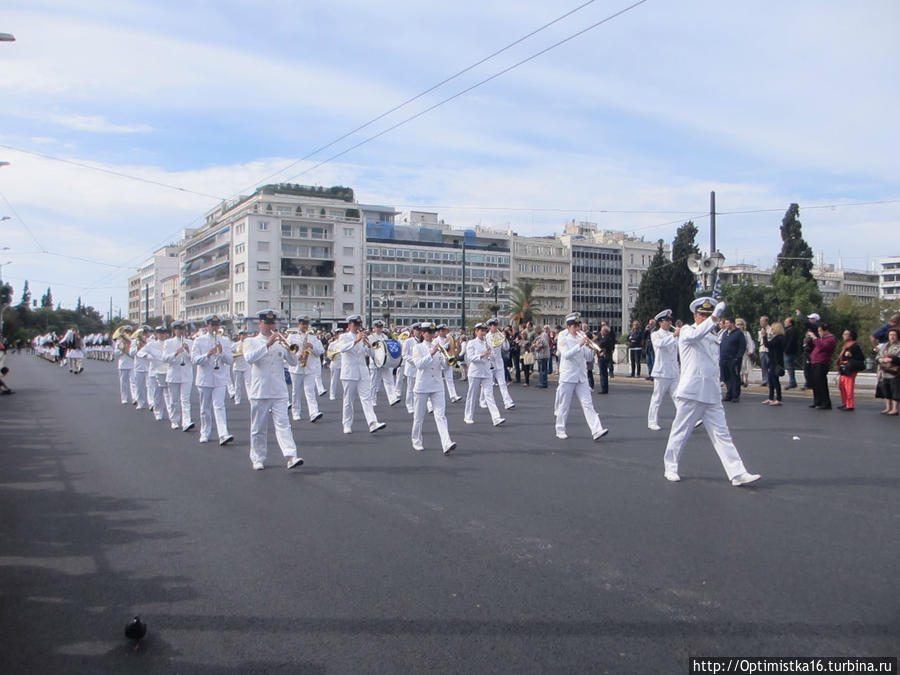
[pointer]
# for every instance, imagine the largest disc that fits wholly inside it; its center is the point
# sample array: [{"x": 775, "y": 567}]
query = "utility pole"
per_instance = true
[
  {"x": 712, "y": 237},
  {"x": 146, "y": 303},
  {"x": 370, "y": 295},
  {"x": 464, "y": 285}
]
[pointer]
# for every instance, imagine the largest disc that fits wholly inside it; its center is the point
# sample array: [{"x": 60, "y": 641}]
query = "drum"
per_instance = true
[{"x": 394, "y": 350}]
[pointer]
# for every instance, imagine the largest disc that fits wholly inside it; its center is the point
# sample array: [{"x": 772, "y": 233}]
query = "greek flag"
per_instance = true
[
  {"x": 698, "y": 289},
  {"x": 717, "y": 289}
]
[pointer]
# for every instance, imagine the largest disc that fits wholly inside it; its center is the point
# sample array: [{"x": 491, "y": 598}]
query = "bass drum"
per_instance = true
[{"x": 394, "y": 350}]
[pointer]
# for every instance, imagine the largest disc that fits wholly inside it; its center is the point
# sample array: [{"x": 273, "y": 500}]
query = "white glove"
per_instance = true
[{"x": 719, "y": 310}]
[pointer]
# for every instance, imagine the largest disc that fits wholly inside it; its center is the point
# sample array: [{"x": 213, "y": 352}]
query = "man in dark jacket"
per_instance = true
[
  {"x": 791, "y": 351},
  {"x": 732, "y": 345}
]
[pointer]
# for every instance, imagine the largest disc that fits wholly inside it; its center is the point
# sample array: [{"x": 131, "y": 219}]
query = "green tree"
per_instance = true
[
  {"x": 522, "y": 304},
  {"x": 681, "y": 284},
  {"x": 795, "y": 252},
  {"x": 26, "y": 297},
  {"x": 780, "y": 299},
  {"x": 652, "y": 292}
]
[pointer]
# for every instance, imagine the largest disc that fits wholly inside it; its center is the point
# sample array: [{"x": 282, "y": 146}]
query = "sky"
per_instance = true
[{"x": 123, "y": 122}]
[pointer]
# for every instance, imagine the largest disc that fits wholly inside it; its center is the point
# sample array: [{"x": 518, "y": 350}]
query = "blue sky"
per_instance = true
[{"x": 766, "y": 103}]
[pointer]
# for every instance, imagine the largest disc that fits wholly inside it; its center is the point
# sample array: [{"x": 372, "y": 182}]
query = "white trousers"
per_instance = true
[
  {"x": 179, "y": 402},
  {"x": 451, "y": 385},
  {"x": 436, "y": 398},
  {"x": 160, "y": 397},
  {"x": 125, "y": 391},
  {"x": 583, "y": 392},
  {"x": 139, "y": 387},
  {"x": 398, "y": 383},
  {"x": 713, "y": 415},
  {"x": 381, "y": 376},
  {"x": 260, "y": 411},
  {"x": 320, "y": 386},
  {"x": 357, "y": 389},
  {"x": 500, "y": 379},
  {"x": 661, "y": 387},
  {"x": 303, "y": 386},
  {"x": 212, "y": 402},
  {"x": 481, "y": 388},
  {"x": 410, "y": 392},
  {"x": 241, "y": 386},
  {"x": 335, "y": 378}
]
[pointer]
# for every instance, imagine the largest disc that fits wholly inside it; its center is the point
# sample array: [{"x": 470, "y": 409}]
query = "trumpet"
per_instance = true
[
  {"x": 282, "y": 340},
  {"x": 590, "y": 343},
  {"x": 451, "y": 359}
]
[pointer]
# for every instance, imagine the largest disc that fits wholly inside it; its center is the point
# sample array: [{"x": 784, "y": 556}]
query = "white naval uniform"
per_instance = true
[
  {"x": 179, "y": 380},
  {"x": 699, "y": 397},
  {"x": 499, "y": 371},
  {"x": 139, "y": 385},
  {"x": 480, "y": 387},
  {"x": 409, "y": 373},
  {"x": 212, "y": 383},
  {"x": 239, "y": 369},
  {"x": 573, "y": 379},
  {"x": 125, "y": 367},
  {"x": 335, "y": 370},
  {"x": 303, "y": 379},
  {"x": 355, "y": 380},
  {"x": 447, "y": 370},
  {"x": 268, "y": 396},
  {"x": 380, "y": 376},
  {"x": 157, "y": 389},
  {"x": 429, "y": 388},
  {"x": 665, "y": 371}
]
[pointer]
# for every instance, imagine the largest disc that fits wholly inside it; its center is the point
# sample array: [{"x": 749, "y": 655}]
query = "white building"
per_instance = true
[
  {"x": 832, "y": 282},
  {"x": 294, "y": 248},
  {"x": 145, "y": 289},
  {"x": 546, "y": 263},
  {"x": 889, "y": 278}
]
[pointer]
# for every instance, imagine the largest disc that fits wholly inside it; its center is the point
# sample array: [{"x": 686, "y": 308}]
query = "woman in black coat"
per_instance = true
[
  {"x": 850, "y": 361},
  {"x": 775, "y": 345}
]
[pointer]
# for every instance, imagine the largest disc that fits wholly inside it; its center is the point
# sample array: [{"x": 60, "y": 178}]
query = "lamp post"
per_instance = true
[
  {"x": 386, "y": 303},
  {"x": 319, "y": 307},
  {"x": 491, "y": 285}
]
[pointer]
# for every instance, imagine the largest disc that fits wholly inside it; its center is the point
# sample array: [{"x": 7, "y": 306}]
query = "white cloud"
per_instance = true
[{"x": 97, "y": 123}]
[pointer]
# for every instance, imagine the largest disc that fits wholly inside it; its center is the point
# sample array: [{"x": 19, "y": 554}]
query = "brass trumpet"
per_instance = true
[
  {"x": 590, "y": 343},
  {"x": 451, "y": 359},
  {"x": 282, "y": 340}
]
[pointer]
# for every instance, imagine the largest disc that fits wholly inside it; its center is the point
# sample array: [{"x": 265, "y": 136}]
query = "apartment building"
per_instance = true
[
  {"x": 145, "y": 289},
  {"x": 295, "y": 248},
  {"x": 415, "y": 269},
  {"x": 546, "y": 263},
  {"x": 832, "y": 282},
  {"x": 889, "y": 278}
]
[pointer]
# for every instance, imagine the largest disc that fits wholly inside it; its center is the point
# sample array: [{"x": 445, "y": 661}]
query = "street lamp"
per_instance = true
[
  {"x": 491, "y": 285},
  {"x": 386, "y": 300},
  {"x": 319, "y": 306}
]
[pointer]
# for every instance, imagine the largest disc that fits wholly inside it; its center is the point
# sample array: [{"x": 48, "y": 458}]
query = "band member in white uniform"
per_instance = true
[
  {"x": 443, "y": 337},
  {"x": 478, "y": 356},
  {"x": 355, "y": 375},
  {"x": 499, "y": 371},
  {"x": 665, "y": 365},
  {"x": 380, "y": 375},
  {"x": 268, "y": 392},
  {"x": 125, "y": 367},
  {"x": 180, "y": 378},
  {"x": 240, "y": 370},
  {"x": 430, "y": 363},
  {"x": 157, "y": 389},
  {"x": 139, "y": 379},
  {"x": 409, "y": 368},
  {"x": 699, "y": 395},
  {"x": 573, "y": 380},
  {"x": 334, "y": 367},
  {"x": 303, "y": 378},
  {"x": 211, "y": 353}
]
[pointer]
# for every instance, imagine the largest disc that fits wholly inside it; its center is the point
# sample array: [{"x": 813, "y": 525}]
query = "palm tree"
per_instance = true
[{"x": 522, "y": 303}]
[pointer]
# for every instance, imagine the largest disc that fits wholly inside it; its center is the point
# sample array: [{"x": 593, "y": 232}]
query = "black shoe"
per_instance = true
[
  {"x": 824, "y": 407},
  {"x": 813, "y": 406},
  {"x": 841, "y": 407}
]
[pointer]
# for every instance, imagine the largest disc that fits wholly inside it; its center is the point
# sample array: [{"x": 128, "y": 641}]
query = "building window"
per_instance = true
[
  {"x": 348, "y": 231},
  {"x": 239, "y": 307},
  {"x": 239, "y": 228},
  {"x": 264, "y": 225},
  {"x": 348, "y": 250},
  {"x": 239, "y": 287},
  {"x": 238, "y": 248},
  {"x": 262, "y": 246},
  {"x": 348, "y": 307},
  {"x": 318, "y": 233},
  {"x": 262, "y": 285},
  {"x": 239, "y": 268},
  {"x": 263, "y": 266},
  {"x": 348, "y": 288},
  {"x": 349, "y": 269}
]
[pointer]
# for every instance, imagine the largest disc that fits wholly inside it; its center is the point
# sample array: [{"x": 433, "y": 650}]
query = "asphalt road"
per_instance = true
[{"x": 519, "y": 553}]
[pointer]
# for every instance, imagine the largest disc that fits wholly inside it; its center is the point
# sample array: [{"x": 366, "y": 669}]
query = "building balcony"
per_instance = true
[{"x": 296, "y": 268}]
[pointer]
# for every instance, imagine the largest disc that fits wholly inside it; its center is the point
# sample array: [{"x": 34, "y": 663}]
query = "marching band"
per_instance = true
[{"x": 279, "y": 372}]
